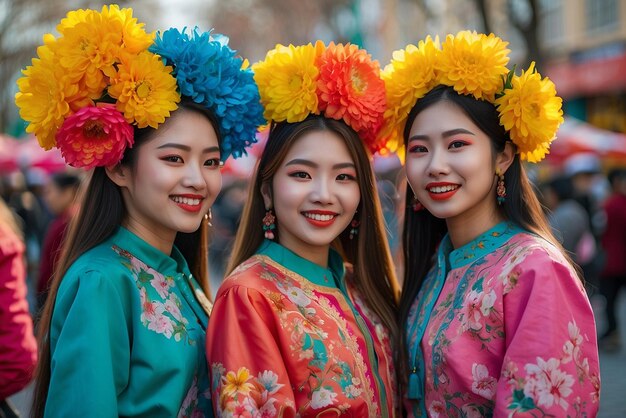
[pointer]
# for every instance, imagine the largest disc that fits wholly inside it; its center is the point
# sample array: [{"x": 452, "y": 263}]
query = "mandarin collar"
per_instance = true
[
  {"x": 148, "y": 254},
  {"x": 328, "y": 277},
  {"x": 485, "y": 243}
]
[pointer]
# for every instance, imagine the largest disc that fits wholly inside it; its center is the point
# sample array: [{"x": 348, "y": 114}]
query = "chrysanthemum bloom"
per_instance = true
[
  {"x": 208, "y": 71},
  {"x": 531, "y": 111},
  {"x": 409, "y": 76},
  {"x": 349, "y": 87},
  {"x": 95, "y": 136},
  {"x": 145, "y": 90},
  {"x": 46, "y": 95},
  {"x": 91, "y": 43},
  {"x": 287, "y": 82},
  {"x": 474, "y": 64}
]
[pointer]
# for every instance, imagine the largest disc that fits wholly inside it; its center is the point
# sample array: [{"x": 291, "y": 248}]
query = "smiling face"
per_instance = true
[
  {"x": 314, "y": 194},
  {"x": 175, "y": 179},
  {"x": 450, "y": 166}
]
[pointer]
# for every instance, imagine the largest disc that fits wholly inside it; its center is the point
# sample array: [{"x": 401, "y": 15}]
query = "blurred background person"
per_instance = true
[
  {"x": 568, "y": 219},
  {"x": 60, "y": 195},
  {"x": 589, "y": 189},
  {"x": 18, "y": 347},
  {"x": 614, "y": 243}
]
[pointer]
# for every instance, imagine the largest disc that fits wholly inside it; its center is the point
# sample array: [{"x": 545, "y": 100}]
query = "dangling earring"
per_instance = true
[
  {"x": 416, "y": 206},
  {"x": 268, "y": 224},
  {"x": 209, "y": 217},
  {"x": 500, "y": 189},
  {"x": 354, "y": 227}
]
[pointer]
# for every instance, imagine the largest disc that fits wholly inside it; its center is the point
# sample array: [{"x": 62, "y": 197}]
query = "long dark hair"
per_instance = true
[
  {"x": 101, "y": 212},
  {"x": 369, "y": 254},
  {"x": 423, "y": 232}
]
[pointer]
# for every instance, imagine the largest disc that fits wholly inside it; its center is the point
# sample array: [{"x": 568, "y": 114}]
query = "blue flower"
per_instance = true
[{"x": 209, "y": 72}]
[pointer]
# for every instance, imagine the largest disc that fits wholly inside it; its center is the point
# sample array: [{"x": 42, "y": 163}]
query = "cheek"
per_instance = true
[
  {"x": 214, "y": 184},
  {"x": 413, "y": 173},
  {"x": 352, "y": 198}
]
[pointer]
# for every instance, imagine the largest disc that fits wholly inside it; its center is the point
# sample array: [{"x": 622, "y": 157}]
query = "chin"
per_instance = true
[{"x": 187, "y": 229}]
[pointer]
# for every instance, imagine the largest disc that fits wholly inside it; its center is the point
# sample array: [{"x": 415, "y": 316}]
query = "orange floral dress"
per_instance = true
[{"x": 292, "y": 339}]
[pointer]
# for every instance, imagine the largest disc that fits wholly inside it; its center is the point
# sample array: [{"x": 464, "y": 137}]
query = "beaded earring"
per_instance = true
[
  {"x": 269, "y": 224},
  {"x": 500, "y": 188}
]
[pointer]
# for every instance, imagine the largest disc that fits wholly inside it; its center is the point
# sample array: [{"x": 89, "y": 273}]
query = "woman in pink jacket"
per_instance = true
[
  {"x": 18, "y": 347},
  {"x": 495, "y": 319}
]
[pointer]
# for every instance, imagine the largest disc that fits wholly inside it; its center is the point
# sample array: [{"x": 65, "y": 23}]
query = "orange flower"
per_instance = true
[{"x": 350, "y": 88}]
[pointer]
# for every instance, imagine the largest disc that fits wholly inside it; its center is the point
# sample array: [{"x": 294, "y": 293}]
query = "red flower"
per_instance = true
[
  {"x": 94, "y": 137},
  {"x": 349, "y": 87}
]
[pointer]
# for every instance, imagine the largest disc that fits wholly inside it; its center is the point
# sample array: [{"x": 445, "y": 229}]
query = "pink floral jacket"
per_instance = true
[{"x": 502, "y": 327}]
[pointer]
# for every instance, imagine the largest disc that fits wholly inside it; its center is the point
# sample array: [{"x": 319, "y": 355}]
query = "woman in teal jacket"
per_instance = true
[{"x": 123, "y": 330}]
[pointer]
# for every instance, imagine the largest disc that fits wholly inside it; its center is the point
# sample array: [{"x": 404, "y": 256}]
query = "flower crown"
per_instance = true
[
  {"x": 473, "y": 64},
  {"x": 106, "y": 73},
  {"x": 340, "y": 81}
]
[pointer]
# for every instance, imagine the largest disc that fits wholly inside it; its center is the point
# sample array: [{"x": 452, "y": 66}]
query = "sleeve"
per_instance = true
[
  {"x": 18, "y": 347},
  {"x": 90, "y": 347},
  {"x": 551, "y": 365},
  {"x": 247, "y": 371}
]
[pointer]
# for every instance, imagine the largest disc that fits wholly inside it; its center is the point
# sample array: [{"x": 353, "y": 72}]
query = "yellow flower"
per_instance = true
[
  {"x": 409, "y": 76},
  {"x": 47, "y": 95},
  {"x": 287, "y": 82},
  {"x": 74, "y": 17},
  {"x": 91, "y": 43},
  {"x": 474, "y": 64},
  {"x": 237, "y": 382},
  {"x": 531, "y": 111},
  {"x": 145, "y": 90}
]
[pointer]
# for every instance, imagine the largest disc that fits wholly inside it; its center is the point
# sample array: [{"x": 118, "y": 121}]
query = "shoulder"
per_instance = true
[
  {"x": 255, "y": 273},
  {"x": 101, "y": 266},
  {"x": 528, "y": 257}
]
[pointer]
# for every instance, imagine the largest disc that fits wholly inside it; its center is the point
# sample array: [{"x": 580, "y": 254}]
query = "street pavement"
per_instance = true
[{"x": 612, "y": 365}]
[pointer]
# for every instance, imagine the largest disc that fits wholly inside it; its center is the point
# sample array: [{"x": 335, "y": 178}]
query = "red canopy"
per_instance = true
[
  {"x": 576, "y": 136},
  {"x": 25, "y": 153}
]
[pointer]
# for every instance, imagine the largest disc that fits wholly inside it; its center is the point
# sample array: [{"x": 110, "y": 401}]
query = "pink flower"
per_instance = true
[
  {"x": 94, "y": 136},
  {"x": 161, "y": 284},
  {"x": 162, "y": 325},
  {"x": 548, "y": 383},
  {"x": 571, "y": 348},
  {"x": 483, "y": 384},
  {"x": 437, "y": 408}
]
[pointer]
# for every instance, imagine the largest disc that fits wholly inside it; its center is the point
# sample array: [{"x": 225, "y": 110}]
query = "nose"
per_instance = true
[
  {"x": 194, "y": 177},
  {"x": 322, "y": 190},
  {"x": 437, "y": 165}
]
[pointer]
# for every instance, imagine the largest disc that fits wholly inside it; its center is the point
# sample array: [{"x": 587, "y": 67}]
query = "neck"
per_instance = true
[
  {"x": 317, "y": 255},
  {"x": 164, "y": 244},
  {"x": 465, "y": 228}
]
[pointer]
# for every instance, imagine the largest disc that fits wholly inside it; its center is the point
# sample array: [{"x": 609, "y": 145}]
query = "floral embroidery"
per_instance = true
[
  {"x": 160, "y": 306},
  {"x": 483, "y": 385},
  {"x": 334, "y": 368},
  {"x": 190, "y": 402},
  {"x": 467, "y": 316},
  {"x": 242, "y": 394}
]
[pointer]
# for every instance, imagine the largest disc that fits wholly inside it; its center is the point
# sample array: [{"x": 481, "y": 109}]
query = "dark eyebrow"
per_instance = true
[
  {"x": 445, "y": 134},
  {"x": 186, "y": 148},
  {"x": 311, "y": 164}
]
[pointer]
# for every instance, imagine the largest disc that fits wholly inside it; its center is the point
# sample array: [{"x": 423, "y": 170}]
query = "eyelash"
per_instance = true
[
  {"x": 346, "y": 177},
  {"x": 299, "y": 175},
  {"x": 422, "y": 148},
  {"x": 213, "y": 162},
  {"x": 462, "y": 143},
  {"x": 305, "y": 175}
]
